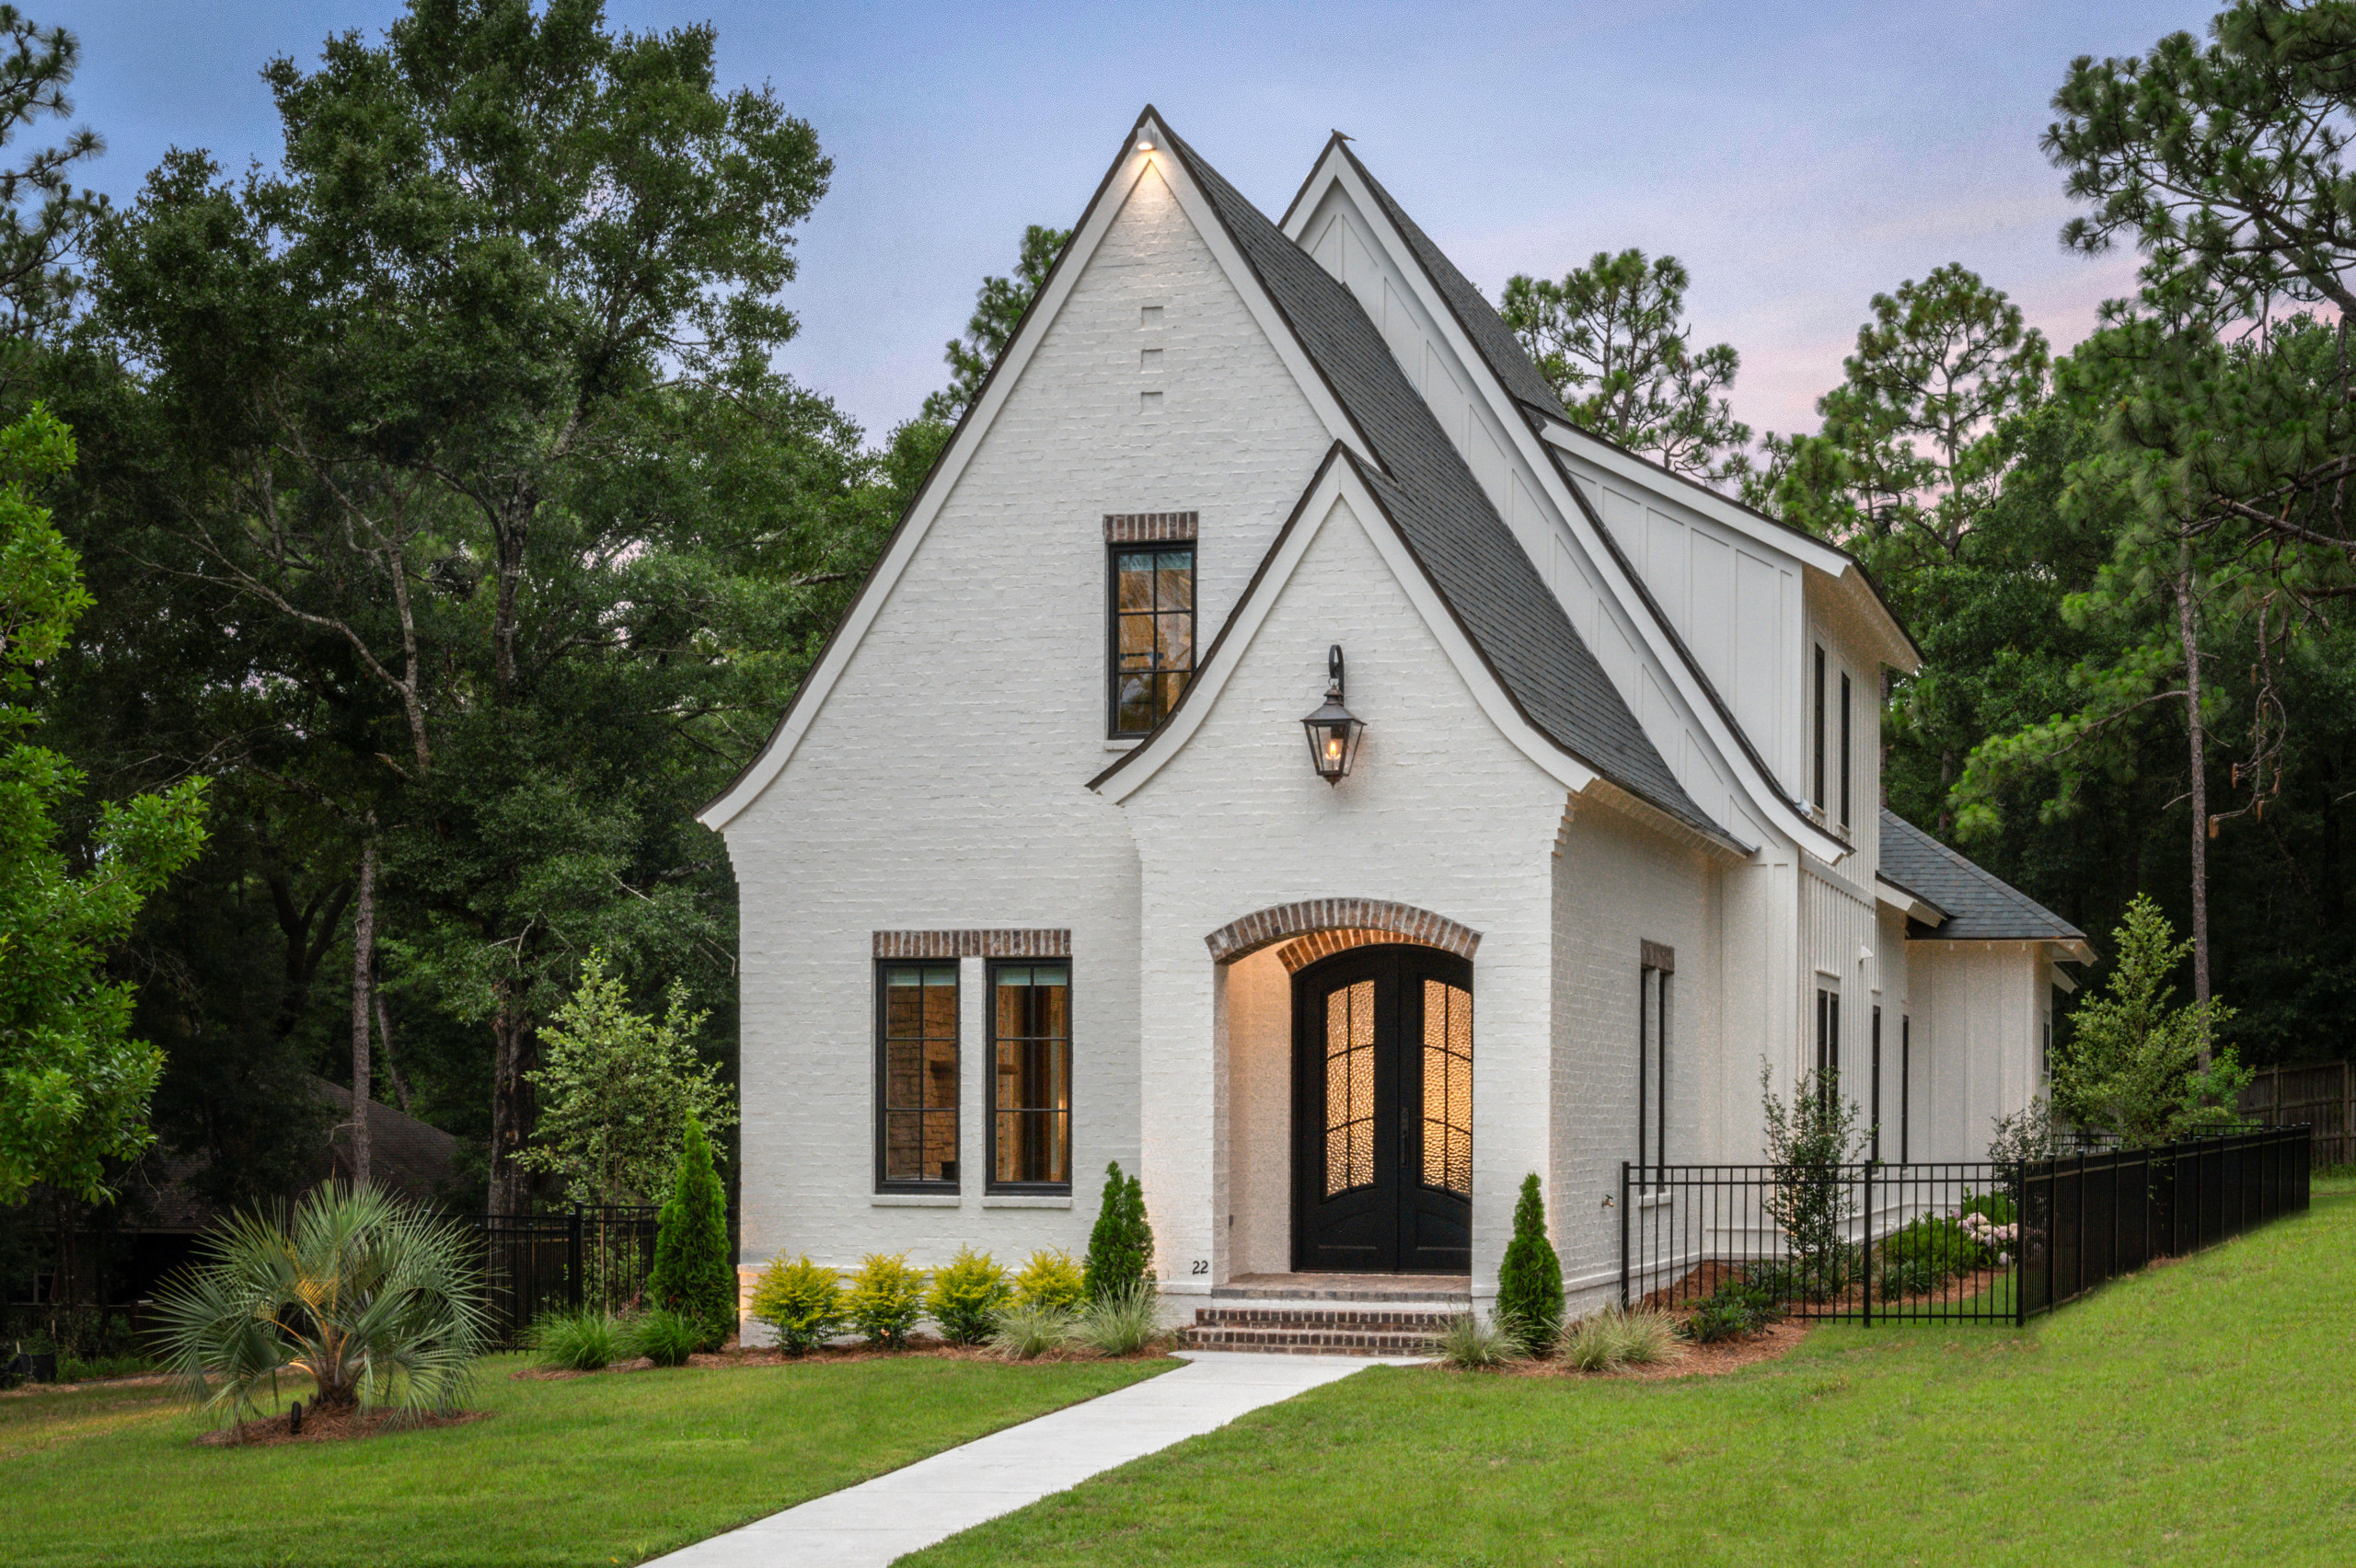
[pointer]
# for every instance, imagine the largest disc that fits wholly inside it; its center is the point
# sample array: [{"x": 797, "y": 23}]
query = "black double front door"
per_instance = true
[{"x": 1382, "y": 1112}]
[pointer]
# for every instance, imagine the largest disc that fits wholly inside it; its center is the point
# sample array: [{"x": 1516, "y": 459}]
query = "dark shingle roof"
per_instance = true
[
  {"x": 1490, "y": 335},
  {"x": 1441, "y": 511},
  {"x": 1979, "y": 907}
]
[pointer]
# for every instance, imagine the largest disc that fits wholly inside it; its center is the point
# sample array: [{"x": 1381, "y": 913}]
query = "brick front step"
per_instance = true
[{"x": 1334, "y": 1331}]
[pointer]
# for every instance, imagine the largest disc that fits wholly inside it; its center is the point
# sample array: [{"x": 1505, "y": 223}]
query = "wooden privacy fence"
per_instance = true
[{"x": 2322, "y": 1096}]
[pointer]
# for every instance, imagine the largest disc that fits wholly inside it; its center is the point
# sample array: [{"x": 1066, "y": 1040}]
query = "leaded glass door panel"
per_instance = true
[{"x": 1382, "y": 1112}]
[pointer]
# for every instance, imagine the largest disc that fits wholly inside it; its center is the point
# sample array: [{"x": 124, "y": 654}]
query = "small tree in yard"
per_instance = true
[
  {"x": 1809, "y": 1140},
  {"x": 616, "y": 1088},
  {"x": 2132, "y": 1064},
  {"x": 692, "y": 1273},
  {"x": 1120, "y": 1249},
  {"x": 1529, "y": 1281}
]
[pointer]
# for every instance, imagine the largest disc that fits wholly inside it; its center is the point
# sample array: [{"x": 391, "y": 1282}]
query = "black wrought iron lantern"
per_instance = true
[{"x": 1333, "y": 729}]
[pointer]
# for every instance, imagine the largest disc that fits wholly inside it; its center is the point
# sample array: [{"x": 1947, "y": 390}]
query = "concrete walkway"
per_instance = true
[{"x": 871, "y": 1525}]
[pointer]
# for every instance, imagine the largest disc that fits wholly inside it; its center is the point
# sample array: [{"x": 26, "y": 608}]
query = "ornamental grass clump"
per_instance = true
[
  {"x": 801, "y": 1300},
  {"x": 1025, "y": 1330},
  {"x": 665, "y": 1337},
  {"x": 1122, "y": 1323},
  {"x": 1617, "y": 1337},
  {"x": 1529, "y": 1281},
  {"x": 966, "y": 1296},
  {"x": 885, "y": 1298},
  {"x": 1051, "y": 1279},
  {"x": 585, "y": 1340},
  {"x": 373, "y": 1299},
  {"x": 1474, "y": 1343}
]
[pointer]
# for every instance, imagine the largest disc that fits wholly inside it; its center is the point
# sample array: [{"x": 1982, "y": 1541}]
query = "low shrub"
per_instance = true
[
  {"x": 885, "y": 1299},
  {"x": 1737, "y": 1310},
  {"x": 1931, "y": 1242},
  {"x": 1909, "y": 1277},
  {"x": 665, "y": 1337},
  {"x": 1613, "y": 1338},
  {"x": 967, "y": 1295},
  {"x": 801, "y": 1300},
  {"x": 1994, "y": 1207},
  {"x": 585, "y": 1340},
  {"x": 1475, "y": 1344},
  {"x": 1051, "y": 1279},
  {"x": 1123, "y": 1323},
  {"x": 1027, "y": 1330}
]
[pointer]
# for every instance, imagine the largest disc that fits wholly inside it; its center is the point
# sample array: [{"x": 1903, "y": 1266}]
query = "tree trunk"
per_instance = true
[
  {"x": 364, "y": 967},
  {"x": 2188, "y": 631},
  {"x": 510, "y": 1106},
  {"x": 385, "y": 1039}
]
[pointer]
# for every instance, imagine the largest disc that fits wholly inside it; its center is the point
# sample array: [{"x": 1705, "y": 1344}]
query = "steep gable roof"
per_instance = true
[
  {"x": 1491, "y": 337},
  {"x": 1472, "y": 556},
  {"x": 1980, "y": 906}
]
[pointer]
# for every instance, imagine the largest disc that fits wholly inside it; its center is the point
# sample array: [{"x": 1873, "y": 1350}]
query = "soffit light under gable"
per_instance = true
[
  {"x": 1334, "y": 731},
  {"x": 1145, "y": 141}
]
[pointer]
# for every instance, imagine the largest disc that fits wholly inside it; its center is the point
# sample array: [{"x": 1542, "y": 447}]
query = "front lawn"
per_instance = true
[
  {"x": 610, "y": 1468},
  {"x": 2198, "y": 1413}
]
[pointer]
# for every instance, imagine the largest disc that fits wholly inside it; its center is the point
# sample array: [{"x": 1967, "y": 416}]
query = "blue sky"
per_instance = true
[{"x": 1797, "y": 159}]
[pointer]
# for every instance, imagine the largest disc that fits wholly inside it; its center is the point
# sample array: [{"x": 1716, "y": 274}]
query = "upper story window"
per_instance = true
[
  {"x": 1151, "y": 616},
  {"x": 1817, "y": 794},
  {"x": 1845, "y": 773}
]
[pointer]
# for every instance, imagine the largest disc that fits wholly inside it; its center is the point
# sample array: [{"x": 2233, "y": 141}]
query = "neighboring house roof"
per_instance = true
[
  {"x": 1980, "y": 906},
  {"x": 1490, "y": 584},
  {"x": 405, "y": 1156}
]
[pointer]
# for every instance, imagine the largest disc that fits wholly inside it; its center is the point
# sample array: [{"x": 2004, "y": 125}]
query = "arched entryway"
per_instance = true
[{"x": 1382, "y": 1111}]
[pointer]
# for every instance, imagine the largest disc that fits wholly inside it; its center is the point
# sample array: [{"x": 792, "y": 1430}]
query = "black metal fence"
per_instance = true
[
  {"x": 587, "y": 1256},
  {"x": 1975, "y": 1242}
]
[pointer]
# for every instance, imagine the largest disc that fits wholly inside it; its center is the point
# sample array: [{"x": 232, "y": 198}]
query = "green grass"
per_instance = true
[
  {"x": 604, "y": 1469},
  {"x": 2196, "y": 1413}
]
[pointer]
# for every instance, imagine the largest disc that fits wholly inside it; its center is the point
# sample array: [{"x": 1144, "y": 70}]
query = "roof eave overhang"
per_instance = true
[{"x": 1906, "y": 902}]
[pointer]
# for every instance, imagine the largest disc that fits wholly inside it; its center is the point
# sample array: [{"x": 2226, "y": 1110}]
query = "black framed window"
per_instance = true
[
  {"x": 1905, "y": 1084},
  {"x": 1818, "y": 795},
  {"x": 1828, "y": 1044},
  {"x": 915, "y": 1071},
  {"x": 1653, "y": 988},
  {"x": 1844, "y": 749},
  {"x": 1153, "y": 633},
  {"x": 1875, "y": 1110},
  {"x": 1030, "y": 1076}
]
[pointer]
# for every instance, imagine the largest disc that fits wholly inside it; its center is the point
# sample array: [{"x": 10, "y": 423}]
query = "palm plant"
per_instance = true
[{"x": 373, "y": 1299}]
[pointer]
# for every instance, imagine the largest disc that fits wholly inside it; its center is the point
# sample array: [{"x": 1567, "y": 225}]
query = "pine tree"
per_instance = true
[
  {"x": 1529, "y": 1281},
  {"x": 692, "y": 1272},
  {"x": 1120, "y": 1249}
]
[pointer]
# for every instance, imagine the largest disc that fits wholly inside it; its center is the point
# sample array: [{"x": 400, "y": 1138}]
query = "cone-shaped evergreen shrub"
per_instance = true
[
  {"x": 692, "y": 1273},
  {"x": 1529, "y": 1281},
  {"x": 1120, "y": 1249}
]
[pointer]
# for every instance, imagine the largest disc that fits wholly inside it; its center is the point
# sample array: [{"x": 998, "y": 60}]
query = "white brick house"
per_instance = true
[{"x": 1037, "y": 873}]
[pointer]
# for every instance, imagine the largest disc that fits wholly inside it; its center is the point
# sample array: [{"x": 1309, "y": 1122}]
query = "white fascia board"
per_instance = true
[
  {"x": 1667, "y": 653},
  {"x": 1893, "y": 896},
  {"x": 2055, "y": 977},
  {"x": 1097, "y": 222},
  {"x": 1337, "y": 484}
]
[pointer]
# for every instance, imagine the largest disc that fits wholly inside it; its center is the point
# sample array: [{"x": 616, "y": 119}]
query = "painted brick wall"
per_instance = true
[
  {"x": 942, "y": 784},
  {"x": 1441, "y": 813}
]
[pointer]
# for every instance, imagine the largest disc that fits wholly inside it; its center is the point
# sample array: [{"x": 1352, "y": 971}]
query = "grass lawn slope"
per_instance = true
[
  {"x": 2199, "y": 1413},
  {"x": 610, "y": 1468}
]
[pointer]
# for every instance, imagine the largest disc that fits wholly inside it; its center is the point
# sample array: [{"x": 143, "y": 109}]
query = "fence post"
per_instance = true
[
  {"x": 2020, "y": 1243},
  {"x": 1865, "y": 1260},
  {"x": 1623, "y": 1236},
  {"x": 572, "y": 1259}
]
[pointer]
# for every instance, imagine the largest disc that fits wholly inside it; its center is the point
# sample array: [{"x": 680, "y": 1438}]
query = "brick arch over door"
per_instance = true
[{"x": 1332, "y": 924}]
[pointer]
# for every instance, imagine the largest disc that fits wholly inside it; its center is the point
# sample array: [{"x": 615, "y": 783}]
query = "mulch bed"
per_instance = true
[
  {"x": 1699, "y": 1360},
  {"x": 733, "y": 1355},
  {"x": 329, "y": 1426}
]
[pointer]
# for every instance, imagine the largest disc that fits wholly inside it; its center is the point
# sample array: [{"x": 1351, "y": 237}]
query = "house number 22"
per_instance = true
[{"x": 1202, "y": 1265}]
